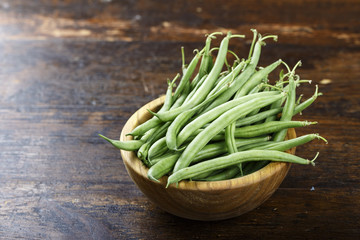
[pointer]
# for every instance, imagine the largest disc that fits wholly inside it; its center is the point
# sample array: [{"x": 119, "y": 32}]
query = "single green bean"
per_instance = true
[
  {"x": 289, "y": 106},
  {"x": 299, "y": 108},
  {"x": 255, "y": 34},
  {"x": 205, "y": 62},
  {"x": 193, "y": 91},
  {"x": 162, "y": 167},
  {"x": 283, "y": 146},
  {"x": 188, "y": 72},
  {"x": 268, "y": 127},
  {"x": 232, "y": 159},
  {"x": 169, "y": 98},
  {"x": 230, "y": 139},
  {"x": 130, "y": 145},
  {"x": 288, "y": 144}
]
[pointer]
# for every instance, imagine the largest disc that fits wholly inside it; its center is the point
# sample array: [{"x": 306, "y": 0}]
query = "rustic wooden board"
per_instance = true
[{"x": 72, "y": 69}]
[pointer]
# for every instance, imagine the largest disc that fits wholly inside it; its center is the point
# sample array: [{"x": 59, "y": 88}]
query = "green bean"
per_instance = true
[
  {"x": 256, "y": 89},
  {"x": 188, "y": 72},
  {"x": 256, "y": 78},
  {"x": 218, "y": 148},
  {"x": 232, "y": 159},
  {"x": 259, "y": 129},
  {"x": 275, "y": 105},
  {"x": 288, "y": 144},
  {"x": 217, "y": 125},
  {"x": 205, "y": 88},
  {"x": 252, "y": 146},
  {"x": 142, "y": 128},
  {"x": 229, "y": 77},
  {"x": 205, "y": 62},
  {"x": 148, "y": 134},
  {"x": 227, "y": 173},
  {"x": 162, "y": 167},
  {"x": 209, "y": 151},
  {"x": 233, "y": 171},
  {"x": 236, "y": 84},
  {"x": 289, "y": 106},
  {"x": 257, "y": 49},
  {"x": 257, "y": 117},
  {"x": 157, "y": 148},
  {"x": 154, "y": 121},
  {"x": 269, "y": 127},
  {"x": 180, "y": 100},
  {"x": 169, "y": 98},
  {"x": 217, "y": 122},
  {"x": 271, "y": 145},
  {"x": 242, "y": 78},
  {"x": 221, "y": 148},
  {"x": 230, "y": 139},
  {"x": 197, "y": 78},
  {"x": 206, "y": 175},
  {"x": 283, "y": 146},
  {"x": 299, "y": 108},
  {"x": 130, "y": 145},
  {"x": 184, "y": 117},
  {"x": 273, "y": 111},
  {"x": 193, "y": 91},
  {"x": 209, "y": 116},
  {"x": 142, "y": 152},
  {"x": 255, "y": 34}
]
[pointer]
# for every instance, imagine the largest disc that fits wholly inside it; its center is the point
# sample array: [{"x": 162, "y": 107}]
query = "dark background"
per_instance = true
[{"x": 72, "y": 69}]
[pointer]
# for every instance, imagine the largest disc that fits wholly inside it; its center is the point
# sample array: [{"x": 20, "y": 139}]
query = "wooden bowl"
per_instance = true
[{"x": 198, "y": 200}]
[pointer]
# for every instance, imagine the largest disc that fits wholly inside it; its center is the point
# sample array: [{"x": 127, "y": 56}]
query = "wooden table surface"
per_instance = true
[{"x": 72, "y": 69}]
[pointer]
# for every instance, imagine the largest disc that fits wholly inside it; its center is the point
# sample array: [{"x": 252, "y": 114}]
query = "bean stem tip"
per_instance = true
[
  {"x": 321, "y": 138},
  {"x": 312, "y": 162},
  {"x": 152, "y": 177}
]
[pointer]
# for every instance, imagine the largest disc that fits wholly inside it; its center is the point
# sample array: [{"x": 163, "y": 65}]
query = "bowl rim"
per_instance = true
[{"x": 260, "y": 175}]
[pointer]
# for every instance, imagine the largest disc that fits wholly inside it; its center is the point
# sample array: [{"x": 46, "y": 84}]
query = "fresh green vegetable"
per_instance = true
[{"x": 223, "y": 120}]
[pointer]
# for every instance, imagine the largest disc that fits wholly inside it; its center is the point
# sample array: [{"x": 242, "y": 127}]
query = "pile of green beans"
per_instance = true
[{"x": 223, "y": 121}]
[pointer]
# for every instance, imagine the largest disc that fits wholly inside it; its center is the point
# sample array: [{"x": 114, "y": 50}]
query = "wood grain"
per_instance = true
[{"x": 72, "y": 69}]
